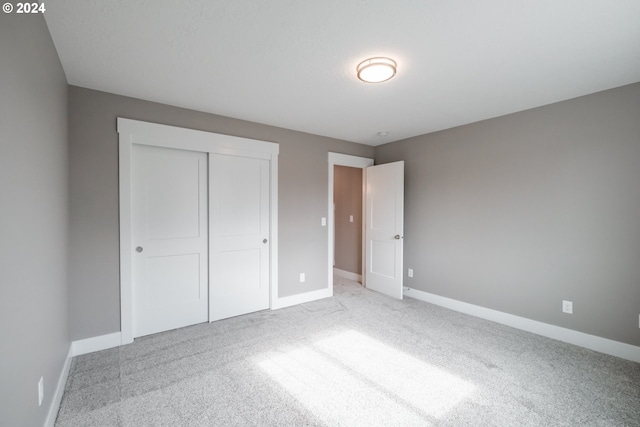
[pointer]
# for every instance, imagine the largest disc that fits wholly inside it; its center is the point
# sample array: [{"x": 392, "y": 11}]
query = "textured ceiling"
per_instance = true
[{"x": 291, "y": 63}]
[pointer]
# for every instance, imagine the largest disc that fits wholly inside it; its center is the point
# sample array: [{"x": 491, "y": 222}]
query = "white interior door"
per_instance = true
[
  {"x": 384, "y": 227},
  {"x": 240, "y": 239},
  {"x": 169, "y": 238}
]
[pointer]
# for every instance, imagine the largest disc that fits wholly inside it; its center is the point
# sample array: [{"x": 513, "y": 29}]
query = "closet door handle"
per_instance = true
[
  {"x": 139, "y": 249},
  {"x": 264, "y": 240}
]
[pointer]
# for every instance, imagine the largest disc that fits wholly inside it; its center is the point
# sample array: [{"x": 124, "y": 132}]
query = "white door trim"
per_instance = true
[
  {"x": 354, "y": 162},
  {"x": 137, "y": 132}
]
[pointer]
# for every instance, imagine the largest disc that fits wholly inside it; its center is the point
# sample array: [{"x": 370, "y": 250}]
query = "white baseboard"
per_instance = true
[
  {"x": 102, "y": 342},
  {"x": 347, "y": 275},
  {"x": 592, "y": 342},
  {"x": 77, "y": 348},
  {"x": 59, "y": 391},
  {"x": 301, "y": 298}
]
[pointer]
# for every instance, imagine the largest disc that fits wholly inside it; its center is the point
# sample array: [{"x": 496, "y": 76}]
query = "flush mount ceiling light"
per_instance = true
[{"x": 376, "y": 70}]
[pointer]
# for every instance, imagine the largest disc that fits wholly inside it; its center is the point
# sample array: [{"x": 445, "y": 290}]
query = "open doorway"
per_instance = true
[
  {"x": 359, "y": 163},
  {"x": 383, "y": 230},
  {"x": 348, "y": 227}
]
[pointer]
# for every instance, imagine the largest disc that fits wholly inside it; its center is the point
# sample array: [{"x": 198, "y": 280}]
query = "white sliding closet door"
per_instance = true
[
  {"x": 169, "y": 234},
  {"x": 240, "y": 239},
  {"x": 198, "y": 226}
]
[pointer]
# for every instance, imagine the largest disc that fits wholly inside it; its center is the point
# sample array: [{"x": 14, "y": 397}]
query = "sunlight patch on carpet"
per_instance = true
[{"x": 353, "y": 379}]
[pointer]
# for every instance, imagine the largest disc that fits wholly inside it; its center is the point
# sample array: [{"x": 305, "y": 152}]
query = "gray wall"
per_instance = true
[
  {"x": 94, "y": 283},
  {"x": 347, "y": 196},
  {"x": 33, "y": 219},
  {"x": 520, "y": 212}
]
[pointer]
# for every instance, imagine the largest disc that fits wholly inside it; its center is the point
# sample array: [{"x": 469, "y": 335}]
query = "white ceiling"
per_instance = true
[{"x": 291, "y": 63}]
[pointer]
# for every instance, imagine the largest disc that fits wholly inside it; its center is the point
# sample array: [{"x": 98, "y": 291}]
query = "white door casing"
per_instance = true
[
  {"x": 384, "y": 228},
  {"x": 134, "y": 132},
  {"x": 239, "y": 236},
  {"x": 169, "y": 231}
]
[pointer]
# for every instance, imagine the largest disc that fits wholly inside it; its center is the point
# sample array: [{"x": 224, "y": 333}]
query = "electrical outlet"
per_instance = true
[
  {"x": 410, "y": 272},
  {"x": 40, "y": 391},
  {"x": 350, "y": 218},
  {"x": 567, "y": 307},
  {"x": 323, "y": 221},
  {"x": 302, "y": 278}
]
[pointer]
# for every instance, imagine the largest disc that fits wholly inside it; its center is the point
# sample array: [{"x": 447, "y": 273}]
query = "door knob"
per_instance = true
[
  {"x": 264, "y": 240},
  {"x": 397, "y": 237},
  {"x": 139, "y": 249}
]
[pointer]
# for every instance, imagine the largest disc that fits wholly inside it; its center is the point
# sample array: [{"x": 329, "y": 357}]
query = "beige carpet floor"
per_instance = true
[{"x": 357, "y": 359}]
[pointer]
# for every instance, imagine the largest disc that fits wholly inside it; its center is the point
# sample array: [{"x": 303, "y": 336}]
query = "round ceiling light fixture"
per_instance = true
[{"x": 376, "y": 70}]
